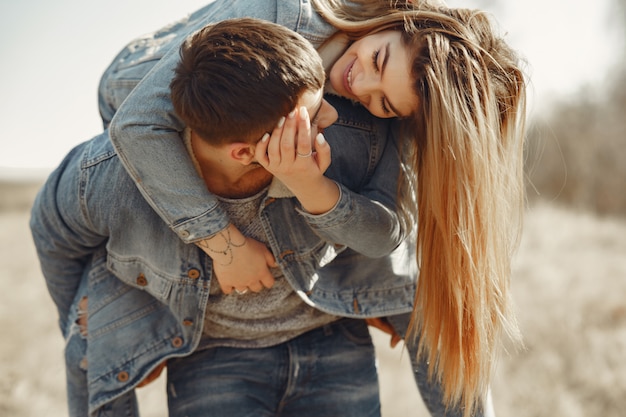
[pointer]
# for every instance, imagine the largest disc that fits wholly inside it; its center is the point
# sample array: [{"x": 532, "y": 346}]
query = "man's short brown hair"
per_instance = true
[{"x": 236, "y": 78}]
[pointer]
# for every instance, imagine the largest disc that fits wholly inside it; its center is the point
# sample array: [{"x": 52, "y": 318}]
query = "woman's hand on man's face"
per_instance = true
[
  {"x": 299, "y": 161},
  {"x": 290, "y": 153}
]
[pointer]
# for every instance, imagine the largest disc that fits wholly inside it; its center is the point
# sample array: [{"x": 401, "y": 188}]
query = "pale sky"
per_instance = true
[{"x": 53, "y": 53}]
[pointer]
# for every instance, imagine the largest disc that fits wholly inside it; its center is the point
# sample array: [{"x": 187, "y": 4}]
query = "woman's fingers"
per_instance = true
[
  {"x": 260, "y": 151},
  {"x": 288, "y": 137},
  {"x": 304, "y": 147},
  {"x": 289, "y": 142},
  {"x": 273, "y": 147},
  {"x": 322, "y": 153}
]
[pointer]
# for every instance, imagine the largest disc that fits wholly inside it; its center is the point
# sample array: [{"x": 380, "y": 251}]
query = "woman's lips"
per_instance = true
[{"x": 347, "y": 78}]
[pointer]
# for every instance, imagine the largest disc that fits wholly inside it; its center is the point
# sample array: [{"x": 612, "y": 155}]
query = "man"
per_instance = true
[
  {"x": 151, "y": 298},
  {"x": 145, "y": 129}
]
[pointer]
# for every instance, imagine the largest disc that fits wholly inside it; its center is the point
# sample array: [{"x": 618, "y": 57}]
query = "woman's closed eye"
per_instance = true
[
  {"x": 375, "y": 56},
  {"x": 383, "y": 104}
]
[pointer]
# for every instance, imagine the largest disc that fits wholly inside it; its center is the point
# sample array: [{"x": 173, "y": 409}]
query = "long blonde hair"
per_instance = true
[{"x": 464, "y": 179}]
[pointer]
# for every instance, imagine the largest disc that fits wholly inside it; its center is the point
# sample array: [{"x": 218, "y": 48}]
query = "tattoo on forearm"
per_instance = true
[{"x": 227, "y": 250}]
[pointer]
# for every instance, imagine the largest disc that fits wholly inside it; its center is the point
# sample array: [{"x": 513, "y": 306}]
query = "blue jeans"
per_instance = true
[
  {"x": 76, "y": 372},
  {"x": 329, "y": 371},
  {"x": 313, "y": 369},
  {"x": 430, "y": 390}
]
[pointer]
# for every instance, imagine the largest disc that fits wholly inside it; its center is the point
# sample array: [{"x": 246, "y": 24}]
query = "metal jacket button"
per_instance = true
[
  {"x": 177, "y": 342},
  {"x": 141, "y": 280},
  {"x": 193, "y": 273}
]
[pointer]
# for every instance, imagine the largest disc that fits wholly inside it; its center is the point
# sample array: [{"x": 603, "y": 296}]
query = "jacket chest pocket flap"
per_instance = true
[{"x": 141, "y": 275}]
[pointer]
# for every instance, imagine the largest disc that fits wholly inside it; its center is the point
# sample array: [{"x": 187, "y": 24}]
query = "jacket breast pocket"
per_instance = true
[
  {"x": 113, "y": 303},
  {"x": 140, "y": 275}
]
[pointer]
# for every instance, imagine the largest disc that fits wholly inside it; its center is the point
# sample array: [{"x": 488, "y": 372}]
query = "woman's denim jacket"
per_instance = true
[{"x": 145, "y": 128}]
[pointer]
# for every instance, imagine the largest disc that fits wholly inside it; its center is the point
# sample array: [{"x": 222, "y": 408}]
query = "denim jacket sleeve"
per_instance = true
[
  {"x": 365, "y": 226},
  {"x": 146, "y": 132},
  {"x": 366, "y": 164},
  {"x": 64, "y": 236}
]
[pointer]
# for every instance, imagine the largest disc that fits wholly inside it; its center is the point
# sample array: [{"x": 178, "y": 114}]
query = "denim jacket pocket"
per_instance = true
[
  {"x": 140, "y": 275},
  {"x": 114, "y": 306}
]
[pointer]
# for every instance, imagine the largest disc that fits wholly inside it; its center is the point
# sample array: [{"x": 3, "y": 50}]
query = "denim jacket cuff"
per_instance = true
[{"x": 201, "y": 227}]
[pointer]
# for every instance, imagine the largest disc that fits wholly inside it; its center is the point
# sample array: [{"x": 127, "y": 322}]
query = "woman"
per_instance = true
[{"x": 462, "y": 109}]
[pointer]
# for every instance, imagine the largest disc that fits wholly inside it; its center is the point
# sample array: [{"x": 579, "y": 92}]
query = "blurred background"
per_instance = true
[{"x": 570, "y": 273}]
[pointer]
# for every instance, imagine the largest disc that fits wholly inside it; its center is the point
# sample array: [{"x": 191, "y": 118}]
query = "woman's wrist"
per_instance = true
[
  {"x": 221, "y": 246},
  {"x": 320, "y": 199}
]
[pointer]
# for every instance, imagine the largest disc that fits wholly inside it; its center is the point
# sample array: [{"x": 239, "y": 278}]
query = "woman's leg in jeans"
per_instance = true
[
  {"x": 76, "y": 365},
  {"x": 76, "y": 355},
  {"x": 329, "y": 371},
  {"x": 431, "y": 391}
]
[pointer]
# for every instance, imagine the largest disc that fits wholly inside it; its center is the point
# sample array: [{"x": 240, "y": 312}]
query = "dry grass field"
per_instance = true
[{"x": 569, "y": 287}]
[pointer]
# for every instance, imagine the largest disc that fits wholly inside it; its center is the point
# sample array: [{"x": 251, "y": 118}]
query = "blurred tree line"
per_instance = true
[{"x": 576, "y": 153}]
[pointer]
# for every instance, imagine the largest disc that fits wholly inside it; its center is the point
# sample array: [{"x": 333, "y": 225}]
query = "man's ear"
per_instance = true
[{"x": 242, "y": 152}]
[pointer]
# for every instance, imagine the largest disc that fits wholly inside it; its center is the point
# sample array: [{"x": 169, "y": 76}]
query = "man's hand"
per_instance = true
[{"x": 239, "y": 263}]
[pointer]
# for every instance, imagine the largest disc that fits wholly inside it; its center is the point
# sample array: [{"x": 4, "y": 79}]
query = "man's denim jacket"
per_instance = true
[{"x": 148, "y": 289}]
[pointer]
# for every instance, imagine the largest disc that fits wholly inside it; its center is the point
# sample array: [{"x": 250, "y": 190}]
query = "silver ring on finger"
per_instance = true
[
  {"x": 241, "y": 292},
  {"x": 304, "y": 155}
]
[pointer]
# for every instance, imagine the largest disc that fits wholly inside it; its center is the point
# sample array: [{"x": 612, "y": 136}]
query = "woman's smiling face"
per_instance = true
[{"x": 375, "y": 71}]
